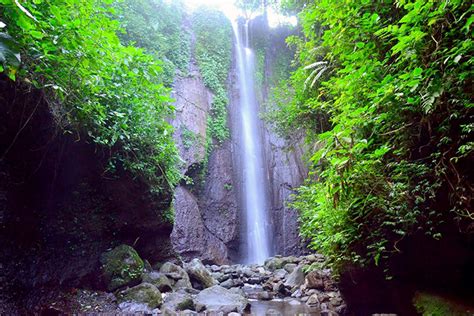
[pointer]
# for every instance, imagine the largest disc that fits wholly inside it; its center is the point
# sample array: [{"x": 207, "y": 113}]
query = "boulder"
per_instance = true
[
  {"x": 313, "y": 300},
  {"x": 177, "y": 301},
  {"x": 220, "y": 299},
  {"x": 198, "y": 271},
  {"x": 264, "y": 296},
  {"x": 121, "y": 266},
  {"x": 296, "y": 278},
  {"x": 290, "y": 267},
  {"x": 159, "y": 280},
  {"x": 314, "y": 280},
  {"x": 275, "y": 263},
  {"x": 177, "y": 273},
  {"x": 228, "y": 283},
  {"x": 280, "y": 273},
  {"x": 144, "y": 293}
]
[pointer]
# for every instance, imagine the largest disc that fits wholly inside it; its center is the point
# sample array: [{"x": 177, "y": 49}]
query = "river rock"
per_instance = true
[
  {"x": 228, "y": 283},
  {"x": 133, "y": 307},
  {"x": 220, "y": 299},
  {"x": 296, "y": 278},
  {"x": 177, "y": 273},
  {"x": 121, "y": 266},
  {"x": 290, "y": 267},
  {"x": 177, "y": 301},
  {"x": 273, "y": 312},
  {"x": 313, "y": 300},
  {"x": 314, "y": 280},
  {"x": 198, "y": 271},
  {"x": 274, "y": 263},
  {"x": 144, "y": 293},
  {"x": 280, "y": 273},
  {"x": 159, "y": 280},
  {"x": 264, "y": 296}
]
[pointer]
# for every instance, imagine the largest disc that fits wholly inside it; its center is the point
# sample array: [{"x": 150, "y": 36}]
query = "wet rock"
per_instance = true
[
  {"x": 264, "y": 296},
  {"x": 228, "y": 283},
  {"x": 296, "y": 278},
  {"x": 313, "y": 300},
  {"x": 290, "y": 267},
  {"x": 280, "y": 273},
  {"x": 198, "y": 271},
  {"x": 159, "y": 280},
  {"x": 220, "y": 299},
  {"x": 177, "y": 302},
  {"x": 274, "y": 263},
  {"x": 234, "y": 314},
  {"x": 272, "y": 312},
  {"x": 223, "y": 277},
  {"x": 121, "y": 266},
  {"x": 297, "y": 293},
  {"x": 177, "y": 273},
  {"x": 217, "y": 275},
  {"x": 314, "y": 280},
  {"x": 314, "y": 258},
  {"x": 144, "y": 293},
  {"x": 132, "y": 307}
]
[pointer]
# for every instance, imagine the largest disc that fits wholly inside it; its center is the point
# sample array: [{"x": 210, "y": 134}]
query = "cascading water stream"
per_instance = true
[{"x": 252, "y": 167}]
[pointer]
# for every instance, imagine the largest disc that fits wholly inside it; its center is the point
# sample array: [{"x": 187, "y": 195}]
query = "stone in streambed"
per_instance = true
[
  {"x": 144, "y": 293},
  {"x": 217, "y": 298},
  {"x": 313, "y": 301},
  {"x": 280, "y": 273},
  {"x": 121, "y": 266},
  {"x": 177, "y": 273},
  {"x": 159, "y": 280},
  {"x": 296, "y": 278},
  {"x": 314, "y": 280},
  {"x": 275, "y": 263},
  {"x": 198, "y": 271},
  {"x": 290, "y": 267},
  {"x": 177, "y": 301}
]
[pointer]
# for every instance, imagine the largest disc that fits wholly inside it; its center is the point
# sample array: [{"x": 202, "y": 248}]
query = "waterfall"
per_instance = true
[{"x": 252, "y": 171}]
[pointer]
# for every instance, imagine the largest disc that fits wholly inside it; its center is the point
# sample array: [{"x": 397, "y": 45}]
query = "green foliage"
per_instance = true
[
  {"x": 383, "y": 93},
  {"x": 214, "y": 54},
  {"x": 9, "y": 55},
  {"x": 96, "y": 86},
  {"x": 157, "y": 27},
  {"x": 189, "y": 138}
]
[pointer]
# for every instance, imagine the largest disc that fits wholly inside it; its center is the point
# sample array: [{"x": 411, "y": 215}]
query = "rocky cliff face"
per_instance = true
[
  {"x": 286, "y": 171},
  {"x": 206, "y": 214},
  {"x": 286, "y": 168}
]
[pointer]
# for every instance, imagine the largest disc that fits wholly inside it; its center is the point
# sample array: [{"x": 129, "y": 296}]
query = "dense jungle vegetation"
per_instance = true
[
  {"x": 384, "y": 94},
  {"x": 105, "y": 68}
]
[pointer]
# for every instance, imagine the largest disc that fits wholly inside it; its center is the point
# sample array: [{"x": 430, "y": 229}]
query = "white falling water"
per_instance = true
[{"x": 252, "y": 169}]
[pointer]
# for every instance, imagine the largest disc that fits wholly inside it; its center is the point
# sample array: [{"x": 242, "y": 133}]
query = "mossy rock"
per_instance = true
[
  {"x": 145, "y": 293},
  {"x": 121, "y": 266},
  {"x": 159, "y": 280},
  {"x": 434, "y": 305}
]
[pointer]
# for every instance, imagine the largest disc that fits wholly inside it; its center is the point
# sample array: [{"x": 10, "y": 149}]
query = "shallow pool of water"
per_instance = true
[{"x": 281, "y": 307}]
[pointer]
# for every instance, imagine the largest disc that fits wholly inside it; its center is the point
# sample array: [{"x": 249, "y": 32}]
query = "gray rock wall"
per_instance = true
[{"x": 206, "y": 215}]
